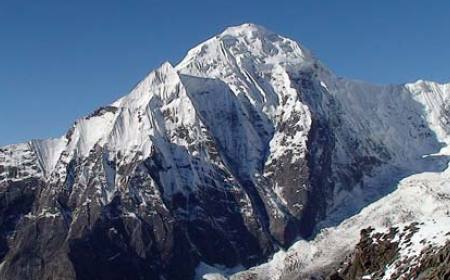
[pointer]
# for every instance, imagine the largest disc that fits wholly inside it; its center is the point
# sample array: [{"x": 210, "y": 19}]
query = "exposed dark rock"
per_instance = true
[
  {"x": 376, "y": 251},
  {"x": 371, "y": 255},
  {"x": 434, "y": 265}
]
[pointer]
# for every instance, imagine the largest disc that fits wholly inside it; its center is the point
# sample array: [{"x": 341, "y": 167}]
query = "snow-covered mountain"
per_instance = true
[{"x": 247, "y": 147}]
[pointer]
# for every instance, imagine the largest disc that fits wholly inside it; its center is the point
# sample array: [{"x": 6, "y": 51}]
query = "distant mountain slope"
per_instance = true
[{"x": 246, "y": 146}]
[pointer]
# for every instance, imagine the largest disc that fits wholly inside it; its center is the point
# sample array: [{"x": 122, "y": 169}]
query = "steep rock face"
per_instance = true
[{"x": 246, "y": 145}]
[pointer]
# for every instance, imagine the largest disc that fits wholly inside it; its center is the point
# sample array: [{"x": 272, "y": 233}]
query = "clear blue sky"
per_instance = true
[{"x": 60, "y": 60}]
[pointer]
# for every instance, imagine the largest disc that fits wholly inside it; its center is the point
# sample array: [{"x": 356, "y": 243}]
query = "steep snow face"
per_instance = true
[
  {"x": 156, "y": 108},
  {"x": 48, "y": 152},
  {"x": 88, "y": 132},
  {"x": 245, "y": 57},
  {"x": 238, "y": 137},
  {"x": 127, "y": 125},
  {"x": 256, "y": 64},
  {"x": 436, "y": 101},
  {"x": 386, "y": 114}
]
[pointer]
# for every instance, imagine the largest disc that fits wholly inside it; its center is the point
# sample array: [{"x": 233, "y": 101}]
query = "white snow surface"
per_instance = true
[{"x": 48, "y": 152}]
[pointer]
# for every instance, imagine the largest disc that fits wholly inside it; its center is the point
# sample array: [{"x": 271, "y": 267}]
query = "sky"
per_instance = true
[{"x": 60, "y": 60}]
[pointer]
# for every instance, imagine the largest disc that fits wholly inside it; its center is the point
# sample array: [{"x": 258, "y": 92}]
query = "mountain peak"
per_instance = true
[
  {"x": 244, "y": 48},
  {"x": 246, "y": 29},
  {"x": 153, "y": 84}
]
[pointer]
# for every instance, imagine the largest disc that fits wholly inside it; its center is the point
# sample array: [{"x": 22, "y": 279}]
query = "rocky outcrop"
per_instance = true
[
  {"x": 435, "y": 264},
  {"x": 371, "y": 256},
  {"x": 382, "y": 256}
]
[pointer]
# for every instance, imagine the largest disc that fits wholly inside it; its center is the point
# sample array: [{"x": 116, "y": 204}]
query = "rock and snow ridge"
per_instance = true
[{"x": 245, "y": 146}]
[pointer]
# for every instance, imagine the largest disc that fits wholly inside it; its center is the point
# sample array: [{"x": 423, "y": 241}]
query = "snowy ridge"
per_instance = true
[
  {"x": 127, "y": 127},
  {"x": 126, "y": 124}
]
